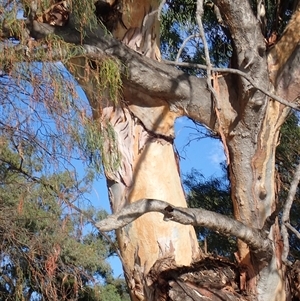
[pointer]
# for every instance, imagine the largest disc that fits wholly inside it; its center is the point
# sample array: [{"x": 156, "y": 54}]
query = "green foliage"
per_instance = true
[
  {"x": 109, "y": 292},
  {"x": 287, "y": 152},
  {"x": 179, "y": 24},
  {"x": 60, "y": 121},
  {"x": 98, "y": 143},
  {"x": 84, "y": 16},
  {"x": 214, "y": 195},
  {"x": 44, "y": 251},
  {"x": 49, "y": 91},
  {"x": 110, "y": 78}
]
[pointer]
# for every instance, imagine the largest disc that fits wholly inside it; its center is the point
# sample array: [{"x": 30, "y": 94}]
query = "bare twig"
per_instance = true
[
  {"x": 286, "y": 213},
  {"x": 184, "y": 44},
  {"x": 199, "y": 14},
  {"x": 255, "y": 238},
  {"x": 290, "y": 227},
  {"x": 211, "y": 78},
  {"x": 238, "y": 72},
  {"x": 162, "y": 3}
]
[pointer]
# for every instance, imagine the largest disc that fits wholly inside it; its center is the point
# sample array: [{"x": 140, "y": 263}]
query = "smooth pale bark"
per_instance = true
[
  {"x": 152, "y": 168},
  {"x": 149, "y": 167}
]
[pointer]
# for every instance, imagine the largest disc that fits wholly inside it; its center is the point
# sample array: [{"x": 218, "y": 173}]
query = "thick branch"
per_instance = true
[
  {"x": 187, "y": 216},
  {"x": 245, "y": 32},
  {"x": 283, "y": 101},
  {"x": 142, "y": 76},
  {"x": 249, "y": 53},
  {"x": 282, "y": 51},
  {"x": 145, "y": 77}
]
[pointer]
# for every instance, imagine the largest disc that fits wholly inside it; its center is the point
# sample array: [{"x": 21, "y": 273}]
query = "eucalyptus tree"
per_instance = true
[
  {"x": 42, "y": 239},
  {"x": 112, "y": 49}
]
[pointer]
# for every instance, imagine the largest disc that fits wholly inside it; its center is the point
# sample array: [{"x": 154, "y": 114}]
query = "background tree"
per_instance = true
[
  {"x": 49, "y": 250},
  {"x": 212, "y": 194},
  {"x": 135, "y": 102},
  {"x": 44, "y": 253}
]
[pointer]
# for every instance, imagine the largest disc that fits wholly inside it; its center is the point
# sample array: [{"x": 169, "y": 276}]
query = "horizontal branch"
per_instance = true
[
  {"x": 144, "y": 77},
  {"x": 241, "y": 73},
  {"x": 187, "y": 216}
]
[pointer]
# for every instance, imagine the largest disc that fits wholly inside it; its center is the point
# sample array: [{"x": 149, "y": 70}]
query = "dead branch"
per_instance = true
[
  {"x": 199, "y": 14},
  {"x": 255, "y": 238},
  {"x": 211, "y": 78}
]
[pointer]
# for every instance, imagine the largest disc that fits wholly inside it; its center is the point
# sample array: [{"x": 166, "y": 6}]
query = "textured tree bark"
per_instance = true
[
  {"x": 149, "y": 167},
  {"x": 252, "y": 174},
  {"x": 252, "y": 141}
]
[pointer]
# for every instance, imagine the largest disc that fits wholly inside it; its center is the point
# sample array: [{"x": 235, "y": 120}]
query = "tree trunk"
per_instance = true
[
  {"x": 149, "y": 166},
  {"x": 252, "y": 176},
  {"x": 154, "y": 251},
  {"x": 252, "y": 144}
]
